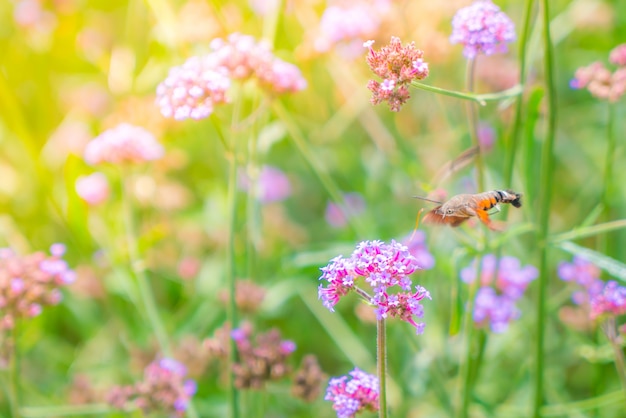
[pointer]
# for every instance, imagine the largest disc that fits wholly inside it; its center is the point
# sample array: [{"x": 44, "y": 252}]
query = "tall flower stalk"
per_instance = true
[
  {"x": 546, "y": 176},
  {"x": 381, "y": 362}
]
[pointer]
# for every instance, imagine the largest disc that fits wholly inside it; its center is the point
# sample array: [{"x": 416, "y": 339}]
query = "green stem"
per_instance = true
[
  {"x": 610, "y": 330},
  {"x": 139, "y": 271},
  {"x": 608, "y": 176},
  {"x": 517, "y": 119},
  {"x": 481, "y": 99},
  {"x": 472, "y": 122},
  {"x": 231, "y": 276},
  {"x": 67, "y": 410},
  {"x": 546, "y": 174},
  {"x": 381, "y": 363},
  {"x": 13, "y": 373},
  {"x": 468, "y": 366}
]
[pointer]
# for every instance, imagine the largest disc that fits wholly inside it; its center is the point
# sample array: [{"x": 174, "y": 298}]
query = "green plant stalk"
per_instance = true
[
  {"x": 588, "y": 231},
  {"x": 381, "y": 365},
  {"x": 610, "y": 328},
  {"x": 517, "y": 119},
  {"x": 139, "y": 271},
  {"x": 231, "y": 277},
  {"x": 546, "y": 174},
  {"x": 12, "y": 373},
  {"x": 468, "y": 367},
  {"x": 608, "y": 176},
  {"x": 472, "y": 123},
  {"x": 481, "y": 99}
]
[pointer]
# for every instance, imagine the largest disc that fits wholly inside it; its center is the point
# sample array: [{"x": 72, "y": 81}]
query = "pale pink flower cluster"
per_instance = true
[
  {"x": 123, "y": 144},
  {"x": 349, "y": 23},
  {"x": 600, "y": 81},
  {"x": 195, "y": 88},
  {"x": 93, "y": 189},
  {"x": 28, "y": 283},
  {"x": 272, "y": 185}
]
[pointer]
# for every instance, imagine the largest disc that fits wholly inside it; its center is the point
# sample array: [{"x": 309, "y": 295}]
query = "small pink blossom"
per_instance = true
[
  {"x": 93, "y": 189},
  {"x": 618, "y": 55},
  {"x": 123, "y": 144},
  {"x": 600, "y": 81},
  {"x": 337, "y": 215},
  {"x": 397, "y": 66},
  {"x": 272, "y": 185},
  {"x": 350, "y": 395}
]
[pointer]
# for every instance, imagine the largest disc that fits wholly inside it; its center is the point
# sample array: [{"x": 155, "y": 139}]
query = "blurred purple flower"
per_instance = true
[
  {"x": 486, "y": 136},
  {"x": 512, "y": 279},
  {"x": 337, "y": 217},
  {"x": 482, "y": 28},
  {"x": 585, "y": 274},
  {"x": 123, "y": 144},
  {"x": 416, "y": 243},
  {"x": 397, "y": 66},
  {"x": 272, "y": 184},
  {"x": 93, "y": 189},
  {"x": 493, "y": 309},
  {"x": 352, "y": 396},
  {"x": 382, "y": 266}
]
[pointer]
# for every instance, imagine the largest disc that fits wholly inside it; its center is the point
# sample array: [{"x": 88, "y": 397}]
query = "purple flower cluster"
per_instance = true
[
  {"x": 123, "y": 144},
  {"x": 93, "y": 189},
  {"x": 482, "y": 28},
  {"x": 502, "y": 283},
  {"x": 352, "y": 396},
  {"x": 585, "y": 274},
  {"x": 382, "y": 266},
  {"x": 163, "y": 389},
  {"x": 603, "y": 299},
  {"x": 193, "y": 89},
  {"x": 600, "y": 81},
  {"x": 28, "y": 283},
  {"x": 397, "y": 66}
]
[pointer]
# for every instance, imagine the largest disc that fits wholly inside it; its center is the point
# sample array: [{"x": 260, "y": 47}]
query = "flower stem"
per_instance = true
[
  {"x": 546, "y": 174},
  {"x": 620, "y": 366},
  {"x": 139, "y": 271},
  {"x": 12, "y": 373},
  {"x": 472, "y": 122},
  {"x": 381, "y": 363},
  {"x": 481, "y": 99},
  {"x": 608, "y": 176},
  {"x": 231, "y": 277}
]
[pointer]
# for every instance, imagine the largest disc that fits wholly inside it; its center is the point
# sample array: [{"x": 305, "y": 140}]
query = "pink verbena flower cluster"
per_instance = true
[
  {"x": 398, "y": 66},
  {"x": 163, "y": 389},
  {"x": 124, "y": 144},
  {"x": 30, "y": 282},
  {"x": 585, "y": 274},
  {"x": 382, "y": 266},
  {"x": 482, "y": 28},
  {"x": 611, "y": 301},
  {"x": 262, "y": 360},
  {"x": 195, "y": 88},
  {"x": 348, "y": 23},
  {"x": 502, "y": 283},
  {"x": 600, "y": 81},
  {"x": 349, "y": 397}
]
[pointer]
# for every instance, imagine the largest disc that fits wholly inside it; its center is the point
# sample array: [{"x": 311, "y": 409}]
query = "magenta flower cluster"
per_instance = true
[
  {"x": 123, "y": 144},
  {"x": 28, "y": 283},
  {"x": 163, "y": 389},
  {"x": 195, "y": 88},
  {"x": 382, "y": 266},
  {"x": 482, "y": 28},
  {"x": 354, "y": 393},
  {"x": 502, "y": 283},
  {"x": 397, "y": 66},
  {"x": 600, "y": 81},
  {"x": 603, "y": 299}
]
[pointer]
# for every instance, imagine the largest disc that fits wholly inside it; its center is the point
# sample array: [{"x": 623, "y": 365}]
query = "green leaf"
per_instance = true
[{"x": 615, "y": 268}]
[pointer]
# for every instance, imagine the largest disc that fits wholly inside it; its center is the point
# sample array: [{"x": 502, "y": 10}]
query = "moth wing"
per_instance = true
[{"x": 434, "y": 217}]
